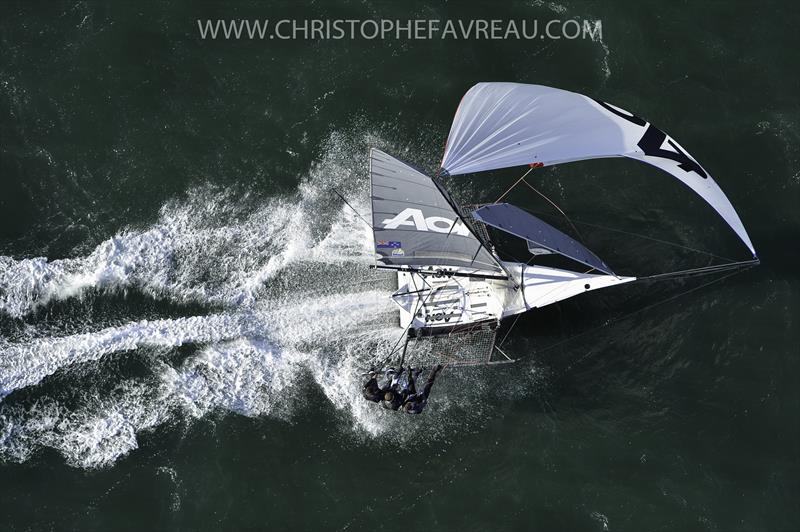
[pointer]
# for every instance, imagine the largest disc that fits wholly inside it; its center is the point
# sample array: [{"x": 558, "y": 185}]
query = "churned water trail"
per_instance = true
[
  {"x": 210, "y": 247},
  {"x": 288, "y": 292},
  {"x": 248, "y": 364}
]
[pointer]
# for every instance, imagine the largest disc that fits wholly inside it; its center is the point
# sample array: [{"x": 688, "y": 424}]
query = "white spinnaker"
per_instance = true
[{"x": 498, "y": 125}]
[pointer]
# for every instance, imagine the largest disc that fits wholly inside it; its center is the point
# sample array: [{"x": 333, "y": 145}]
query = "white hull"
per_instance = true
[{"x": 444, "y": 302}]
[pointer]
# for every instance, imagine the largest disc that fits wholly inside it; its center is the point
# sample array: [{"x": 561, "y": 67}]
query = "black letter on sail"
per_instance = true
[
  {"x": 651, "y": 142},
  {"x": 653, "y": 138}
]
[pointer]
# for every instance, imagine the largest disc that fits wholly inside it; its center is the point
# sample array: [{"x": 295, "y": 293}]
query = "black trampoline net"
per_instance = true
[
  {"x": 463, "y": 348},
  {"x": 477, "y": 225}
]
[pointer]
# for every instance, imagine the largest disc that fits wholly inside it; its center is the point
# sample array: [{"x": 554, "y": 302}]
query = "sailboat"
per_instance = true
[{"x": 453, "y": 289}]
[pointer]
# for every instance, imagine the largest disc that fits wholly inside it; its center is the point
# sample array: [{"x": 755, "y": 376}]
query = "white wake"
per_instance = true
[
  {"x": 288, "y": 291},
  {"x": 289, "y": 298}
]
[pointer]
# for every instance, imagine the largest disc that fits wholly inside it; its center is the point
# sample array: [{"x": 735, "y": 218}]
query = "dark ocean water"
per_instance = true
[{"x": 185, "y": 305}]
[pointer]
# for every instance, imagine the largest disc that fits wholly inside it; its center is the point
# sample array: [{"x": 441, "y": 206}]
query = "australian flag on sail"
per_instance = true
[{"x": 387, "y": 244}]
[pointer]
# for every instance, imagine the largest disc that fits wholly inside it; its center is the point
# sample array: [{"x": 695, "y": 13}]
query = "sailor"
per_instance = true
[
  {"x": 392, "y": 375},
  {"x": 411, "y": 385},
  {"x": 416, "y": 402},
  {"x": 393, "y": 399},
  {"x": 371, "y": 389},
  {"x": 394, "y": 395}
]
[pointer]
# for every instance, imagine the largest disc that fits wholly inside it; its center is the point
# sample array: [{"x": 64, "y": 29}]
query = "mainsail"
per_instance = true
[
  {"x": 416, "y": 225},
  {"x": 499, "y": 125}
]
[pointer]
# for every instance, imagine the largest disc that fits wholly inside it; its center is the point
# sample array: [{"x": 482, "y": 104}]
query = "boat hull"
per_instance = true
[{"x": 443, "y": 304}]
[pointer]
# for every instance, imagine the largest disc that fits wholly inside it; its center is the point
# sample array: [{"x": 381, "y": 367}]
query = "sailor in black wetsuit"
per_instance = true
[
  {"x": 371, "y": 389},
  {"x": 415, "y": 402},
  {"x": 392, "y": 395},
  {"x": 393, "y": 399},
  {"x": 396, "y": 393}
]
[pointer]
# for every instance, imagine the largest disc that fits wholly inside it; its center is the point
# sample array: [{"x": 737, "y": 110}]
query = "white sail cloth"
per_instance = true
[{"x": 498, "y": 125}]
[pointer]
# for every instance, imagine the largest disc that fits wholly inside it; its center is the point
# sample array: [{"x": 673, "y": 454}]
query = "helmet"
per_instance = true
[{"x": 388, "y": 396}]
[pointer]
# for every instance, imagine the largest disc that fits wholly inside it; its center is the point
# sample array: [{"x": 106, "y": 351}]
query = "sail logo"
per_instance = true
[
  {"x": 437, "y": 224},
  {"x": 653, "y": 140}
]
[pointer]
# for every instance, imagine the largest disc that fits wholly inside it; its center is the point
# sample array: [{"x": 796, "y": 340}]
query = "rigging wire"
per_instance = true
[
  {"x": 704, "y": 270},
  {"x": 580, "y": 236},
  {"x": 420, "y": 302},
  {"x": 579, "y": 222},
  {"x": 630, "y": 314},
  {"x": 629, "y": 233},
  {"x": 352, "y": 208},
  {"x": 504, "y": 194},
  {"x": 738, "y": 267},
  {"x": 551, "y": 202}
]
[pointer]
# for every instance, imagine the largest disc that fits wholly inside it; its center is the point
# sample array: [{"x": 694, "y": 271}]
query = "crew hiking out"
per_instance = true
[{"x": 398, "y": 393}]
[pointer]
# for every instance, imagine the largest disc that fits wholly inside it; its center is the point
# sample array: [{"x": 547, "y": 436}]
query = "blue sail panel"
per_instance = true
[{"x": 517, "y": 222}]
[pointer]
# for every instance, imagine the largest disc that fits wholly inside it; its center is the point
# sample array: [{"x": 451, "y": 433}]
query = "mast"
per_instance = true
[{"x": 460, "y": 214}]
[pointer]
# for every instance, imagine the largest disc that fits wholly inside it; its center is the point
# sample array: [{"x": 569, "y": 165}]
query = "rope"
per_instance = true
[
  {"x": 667, "y": 242},
  {"x": 504, "y": 194},
  {"x": 551, "y": 202},
  {"x": 410, "y": 323},
  {"x": 738, "y": 266},
  {"x": 705, "y": 270},
  {"x": 557, "y": 208},
  {"x": 352, "y": 208},
  {"x": 695, "y": 271},
  {"x": 516, "y": 319}
]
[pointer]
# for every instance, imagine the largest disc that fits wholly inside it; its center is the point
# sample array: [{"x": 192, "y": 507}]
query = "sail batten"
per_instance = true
[{"x": 499, "y": 125}]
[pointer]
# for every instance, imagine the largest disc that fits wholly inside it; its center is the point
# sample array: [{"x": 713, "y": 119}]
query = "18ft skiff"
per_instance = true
[{"x": 453, "y": 289}]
